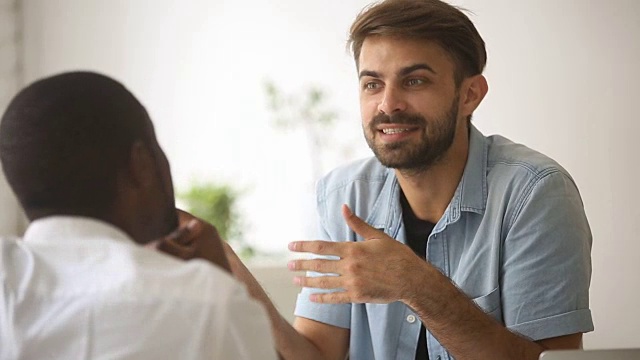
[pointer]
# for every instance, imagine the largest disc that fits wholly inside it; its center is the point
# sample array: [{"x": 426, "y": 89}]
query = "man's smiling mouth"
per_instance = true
[{"x": 395, "y": 130}]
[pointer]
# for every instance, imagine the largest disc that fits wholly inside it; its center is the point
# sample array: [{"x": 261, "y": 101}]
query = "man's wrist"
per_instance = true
[{"x": 423, "y": 288}]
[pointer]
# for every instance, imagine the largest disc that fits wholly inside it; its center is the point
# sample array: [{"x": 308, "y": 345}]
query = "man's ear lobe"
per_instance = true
[
  {"x": 141, "y": 164},
  {"x": 475, "y": 91}
]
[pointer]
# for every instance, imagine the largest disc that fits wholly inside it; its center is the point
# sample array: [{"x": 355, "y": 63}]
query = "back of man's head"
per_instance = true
[{"x": 64, "y": 139}]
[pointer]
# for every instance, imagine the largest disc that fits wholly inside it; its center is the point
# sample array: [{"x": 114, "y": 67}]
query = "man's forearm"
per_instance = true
[
  {"x": 288, "y": 342},
  {"x": 463, "y": 328}
]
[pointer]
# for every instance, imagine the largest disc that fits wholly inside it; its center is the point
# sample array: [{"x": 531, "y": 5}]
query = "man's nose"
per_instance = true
[{"x": 392, "y": 101}]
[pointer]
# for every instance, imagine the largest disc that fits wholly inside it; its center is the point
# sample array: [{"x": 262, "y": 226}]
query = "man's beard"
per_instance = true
[{"x": 407, "y": 156}]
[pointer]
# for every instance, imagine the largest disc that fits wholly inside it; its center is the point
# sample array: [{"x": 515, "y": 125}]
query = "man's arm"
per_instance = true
[
  {"x": 369, "y": 273},
  {"x": 466, "y": 331},
  {"x": 307, "y": 339},
  {"x": 332, "y": 341},
  {"x": 243, "y": 316},
  {"x": 566, "y": 342}
]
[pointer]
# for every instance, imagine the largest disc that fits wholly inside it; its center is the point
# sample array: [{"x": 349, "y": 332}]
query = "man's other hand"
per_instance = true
[{"x": 194, "y": 239}]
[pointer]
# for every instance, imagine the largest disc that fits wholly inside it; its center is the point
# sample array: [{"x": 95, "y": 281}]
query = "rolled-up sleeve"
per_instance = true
[{"x": 547, "y": 261}]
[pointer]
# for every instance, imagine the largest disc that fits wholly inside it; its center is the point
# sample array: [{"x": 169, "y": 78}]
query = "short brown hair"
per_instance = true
[{"x": 432, "y": 20}]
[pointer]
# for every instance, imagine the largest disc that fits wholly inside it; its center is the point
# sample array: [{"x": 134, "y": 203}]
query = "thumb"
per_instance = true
[{"x": 358, "y": 225}]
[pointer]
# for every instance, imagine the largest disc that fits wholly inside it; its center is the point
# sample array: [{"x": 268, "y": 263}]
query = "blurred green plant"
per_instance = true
[
  {"x": 217, "y": 204},
  {"x": 293, "y": 110},
  {"x": 307, "y": 110}
]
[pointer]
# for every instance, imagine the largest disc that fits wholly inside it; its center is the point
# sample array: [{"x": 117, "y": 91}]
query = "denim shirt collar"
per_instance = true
[{"x": 470, "y": 195}]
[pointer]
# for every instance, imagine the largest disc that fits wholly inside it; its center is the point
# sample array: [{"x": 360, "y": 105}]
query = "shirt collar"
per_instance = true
[
  {"x": 470, "y": 195},
  {"x": 69, "y": 228}
]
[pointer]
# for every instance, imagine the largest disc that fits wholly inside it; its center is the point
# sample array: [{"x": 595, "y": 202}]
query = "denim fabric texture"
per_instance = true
[{"x": 514, "y": 239}]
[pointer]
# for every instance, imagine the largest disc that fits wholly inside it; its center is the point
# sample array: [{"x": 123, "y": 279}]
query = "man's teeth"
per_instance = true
[{"x": 394, "y": 131}]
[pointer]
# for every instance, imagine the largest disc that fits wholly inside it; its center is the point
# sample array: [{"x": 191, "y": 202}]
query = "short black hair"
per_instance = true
[{"x": 64, "y": 139}]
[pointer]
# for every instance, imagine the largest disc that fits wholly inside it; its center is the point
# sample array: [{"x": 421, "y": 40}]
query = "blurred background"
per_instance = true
[{"x": 253, "y": 100}]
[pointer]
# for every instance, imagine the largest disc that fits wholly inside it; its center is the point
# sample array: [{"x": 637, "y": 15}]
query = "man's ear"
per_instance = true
[
  {"x": 474, "y": 90},
  {"x": 141, "y": 165}
]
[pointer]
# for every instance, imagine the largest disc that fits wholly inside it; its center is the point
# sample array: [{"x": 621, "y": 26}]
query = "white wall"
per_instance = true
[
  {"x": 10, "y": 81},
  {"x": 200, "y": 69},
  {"x": 563, "y": 79}
]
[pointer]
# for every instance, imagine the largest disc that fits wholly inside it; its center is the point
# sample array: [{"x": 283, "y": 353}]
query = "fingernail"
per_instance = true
[
  {"x": 297, "y": 280},
  {"x": 347, "y": 209},
  {"x": 291, "y": 265},
  {"x": 292, "y": 246}
]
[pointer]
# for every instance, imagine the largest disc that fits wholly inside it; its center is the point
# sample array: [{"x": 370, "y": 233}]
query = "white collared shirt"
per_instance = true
[{"x": 77, "y": 288}]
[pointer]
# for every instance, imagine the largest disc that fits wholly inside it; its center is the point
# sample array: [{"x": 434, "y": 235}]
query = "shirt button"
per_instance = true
[{"x": 411, "y": 319}]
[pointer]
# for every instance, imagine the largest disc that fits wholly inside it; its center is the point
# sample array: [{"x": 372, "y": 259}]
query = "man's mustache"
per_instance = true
[{"x": 401, "y": 118}]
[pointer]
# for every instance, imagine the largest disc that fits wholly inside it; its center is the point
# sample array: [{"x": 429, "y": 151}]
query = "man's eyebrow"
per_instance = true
[
  {"x": 403, "y": 72},
  {"x": 364, "y": 73},
  {"x": 409, "y": 69}
]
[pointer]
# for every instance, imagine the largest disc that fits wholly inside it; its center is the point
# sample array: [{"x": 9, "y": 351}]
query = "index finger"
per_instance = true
[
  {"x": 319, "y": 247},
  {"x": 358, "y": 225}
]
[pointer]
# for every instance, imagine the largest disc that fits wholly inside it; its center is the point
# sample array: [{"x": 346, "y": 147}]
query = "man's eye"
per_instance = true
[
  {"x": 371, "y": 85},
  {"x": 415, "y": 82}
]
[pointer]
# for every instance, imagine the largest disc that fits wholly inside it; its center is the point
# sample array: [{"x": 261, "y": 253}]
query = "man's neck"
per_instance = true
[{"x": 429, "y": 192}]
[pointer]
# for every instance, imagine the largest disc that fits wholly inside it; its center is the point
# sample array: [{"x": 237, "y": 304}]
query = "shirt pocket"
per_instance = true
[{"x": 490, "y": 304}]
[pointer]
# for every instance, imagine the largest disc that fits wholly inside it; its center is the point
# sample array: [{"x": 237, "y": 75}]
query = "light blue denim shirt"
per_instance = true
[{"x": 514, "y": 238}]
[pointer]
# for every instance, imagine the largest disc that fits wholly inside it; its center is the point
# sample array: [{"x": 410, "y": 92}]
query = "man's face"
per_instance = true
[{"x": 409, "y": 101}]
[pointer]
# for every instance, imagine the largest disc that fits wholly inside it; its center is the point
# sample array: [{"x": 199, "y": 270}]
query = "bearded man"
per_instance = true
[{"x": 448, "y": 243}]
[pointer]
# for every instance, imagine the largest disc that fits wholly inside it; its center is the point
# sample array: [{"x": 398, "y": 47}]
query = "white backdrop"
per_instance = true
[
  {"x": 10, "y": 77},
  {"x": 563, "y": 79}
]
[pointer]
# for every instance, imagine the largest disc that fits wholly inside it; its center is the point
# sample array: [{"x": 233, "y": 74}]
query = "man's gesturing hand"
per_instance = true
[{"x": 377, "y": 270}]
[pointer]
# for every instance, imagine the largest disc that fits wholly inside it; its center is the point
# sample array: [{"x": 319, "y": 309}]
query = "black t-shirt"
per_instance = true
[{"x": 417, "y": 232}]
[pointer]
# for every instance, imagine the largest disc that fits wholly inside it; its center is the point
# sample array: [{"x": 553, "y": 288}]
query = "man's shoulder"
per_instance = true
[
  {"x": 113, "y": 269},
  {"x": 508, "y": 160},
  {"x": 194, "y": 280},
  {"x": 367, "y": 173}
]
